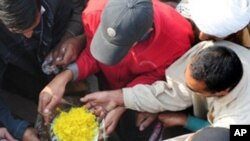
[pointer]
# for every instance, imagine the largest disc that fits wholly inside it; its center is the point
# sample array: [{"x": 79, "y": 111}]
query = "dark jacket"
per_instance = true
[{"x": 21, "y": 58}]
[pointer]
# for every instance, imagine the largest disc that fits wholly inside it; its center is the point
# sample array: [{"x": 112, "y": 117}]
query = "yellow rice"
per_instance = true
[{"x": 76, "y": 125}]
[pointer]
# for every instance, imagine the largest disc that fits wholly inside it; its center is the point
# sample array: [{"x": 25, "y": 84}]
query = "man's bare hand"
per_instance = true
[
  {"x": 143, "y": 120},
  {"x": 4, "y": 134},
  {"x": 103, "y": 101}
]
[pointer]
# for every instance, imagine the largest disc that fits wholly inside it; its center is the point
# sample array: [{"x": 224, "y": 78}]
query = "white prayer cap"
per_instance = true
[{"x": 220, "y": 18}]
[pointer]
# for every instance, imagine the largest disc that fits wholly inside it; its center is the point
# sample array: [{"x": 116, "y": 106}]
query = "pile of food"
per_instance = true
[{"x": 76, "y": 125}]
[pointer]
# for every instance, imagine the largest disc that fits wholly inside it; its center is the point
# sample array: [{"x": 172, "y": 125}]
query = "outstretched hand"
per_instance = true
[
  {"x": 104, "y": 101},
  {"x": 52, "y": 94}
]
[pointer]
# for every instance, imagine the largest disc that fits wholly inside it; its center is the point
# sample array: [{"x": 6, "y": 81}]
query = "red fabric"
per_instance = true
[{"x": 146, "y": 62}]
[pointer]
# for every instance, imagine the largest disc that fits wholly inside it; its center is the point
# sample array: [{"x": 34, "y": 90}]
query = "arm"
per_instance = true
[
  {"x": 158, "y": 97},
  {"x": 75, "y": 24},
  {"x": 52, "y": 94},
  {"x": 172, "y": 119},
  {"x": 86, "y": 64},
  {"x": 15, "y": 126},
  {"x": 67, "y": 14},
  {"x": 68, "y": 30}
]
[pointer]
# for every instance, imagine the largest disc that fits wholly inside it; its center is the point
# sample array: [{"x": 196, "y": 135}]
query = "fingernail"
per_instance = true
[
  {"x": 46, "y": 111},
  {"x": 58, "y": 58},
  {"x": 141, "y": 128}
]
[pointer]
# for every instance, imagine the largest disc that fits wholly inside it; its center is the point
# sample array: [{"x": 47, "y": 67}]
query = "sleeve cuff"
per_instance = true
[
  {"x": 194, "y": 123},
  {"x": 74, "y": 69},
  {"x": 21, "y": 128},
  {"x": 128, "y": 98},
  {"x": 75, "y": 28}
]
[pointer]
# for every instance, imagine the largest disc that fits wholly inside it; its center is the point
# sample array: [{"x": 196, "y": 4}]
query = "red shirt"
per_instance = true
[{"x": 146, "y": 62}]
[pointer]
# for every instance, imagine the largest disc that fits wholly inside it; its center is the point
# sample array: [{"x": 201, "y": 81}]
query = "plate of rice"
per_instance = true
[{"x": 78, "y": 124}]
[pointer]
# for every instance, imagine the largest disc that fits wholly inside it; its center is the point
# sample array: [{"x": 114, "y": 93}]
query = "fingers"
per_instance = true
[
  {"x": 43, "y": 101},
  {"x": 99, "y": 99},
  {"x": 44, "y": 98},
  {"x": 49, "y": 108},
  {"x": 139, "y": 118},
  {"x": 109, "y": 127},
  {"x": 88, "y": 98},
  {"x": 102, "y": 132},
  {"x": 47, "y": 103},
  {"x": 58, "y": 55},
  {"x": 69, "y": 56},
  {"x": 100, "y": 111},
  {"x": 111, "y": 105},
  {"x": 146, "y": 122},
  {"x": 7, "y": 135}
]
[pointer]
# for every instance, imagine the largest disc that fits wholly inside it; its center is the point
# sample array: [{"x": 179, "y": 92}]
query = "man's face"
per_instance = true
[
  {"x": 29, "y": 31},
  {"x": 198, "y": 86}
]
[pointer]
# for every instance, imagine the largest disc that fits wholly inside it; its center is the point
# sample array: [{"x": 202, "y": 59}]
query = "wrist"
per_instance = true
[
  {"x": 67, "y": 35},
  {"x": 66, "y": 75},
  {"x": 119, "y": 98},
  {"x": 183, "y": 120}
]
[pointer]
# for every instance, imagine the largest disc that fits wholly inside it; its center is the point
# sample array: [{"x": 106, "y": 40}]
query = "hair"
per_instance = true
[
  {"x": 18, "y": 14},
  {"x": 219, "y": 67}
]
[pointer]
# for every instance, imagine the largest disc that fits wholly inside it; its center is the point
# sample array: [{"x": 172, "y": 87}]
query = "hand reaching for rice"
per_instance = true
[
  {"x": 52, "y": 94},
  {"x": 103, "y": 102}
]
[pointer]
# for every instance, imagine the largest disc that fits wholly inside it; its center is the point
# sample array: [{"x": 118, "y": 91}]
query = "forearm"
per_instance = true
[
  {"x": 155, "y": 98},
  {"x": 66, "y": 76}
]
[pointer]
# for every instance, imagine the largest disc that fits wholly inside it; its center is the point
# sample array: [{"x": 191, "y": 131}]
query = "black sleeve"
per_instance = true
[
  {"x": 67, "y": 16},
  {"x": 75, "y": 24},
  {"x": 64, "y": 16},
  {"x": 3, "y": 67}
]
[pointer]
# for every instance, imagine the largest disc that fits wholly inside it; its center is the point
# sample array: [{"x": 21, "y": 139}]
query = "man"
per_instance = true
[
  {"x": 29, "y": 30},
  {"x": 139, "y": 38},
  {"x": 223, "y": 23},
  {"x": 213, "y": 77}
]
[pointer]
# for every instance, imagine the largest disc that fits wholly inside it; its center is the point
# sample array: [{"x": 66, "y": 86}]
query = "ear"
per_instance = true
[{"x": 223, "y": 93}]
